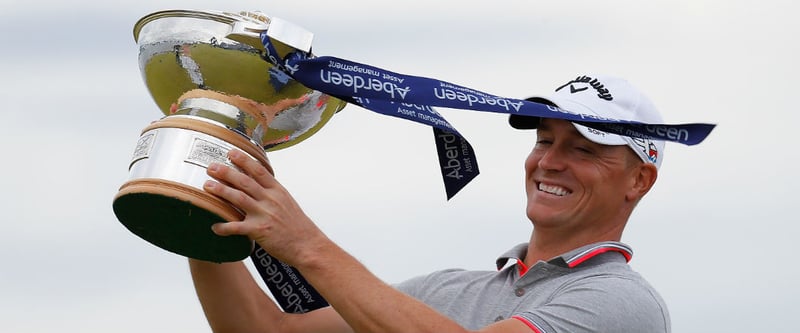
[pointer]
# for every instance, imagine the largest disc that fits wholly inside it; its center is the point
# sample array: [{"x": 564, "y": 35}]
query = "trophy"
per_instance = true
[{"x": 211, "y": 77}]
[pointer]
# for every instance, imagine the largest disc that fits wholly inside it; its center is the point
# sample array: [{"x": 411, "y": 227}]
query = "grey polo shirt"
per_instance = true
[{"x": 589, "y": 289}]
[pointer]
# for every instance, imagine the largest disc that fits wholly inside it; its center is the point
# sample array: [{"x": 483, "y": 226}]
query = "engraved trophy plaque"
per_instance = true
[{"x": 212, "y": 79}]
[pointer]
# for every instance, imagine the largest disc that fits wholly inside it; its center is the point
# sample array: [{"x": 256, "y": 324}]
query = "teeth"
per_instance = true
[{"x": 555, "y": 190}]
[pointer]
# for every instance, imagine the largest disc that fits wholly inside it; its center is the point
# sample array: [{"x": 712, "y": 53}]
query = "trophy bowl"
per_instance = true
[{"x": 218, "y": 90}]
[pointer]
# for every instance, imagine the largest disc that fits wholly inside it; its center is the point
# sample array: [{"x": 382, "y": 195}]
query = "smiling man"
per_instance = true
[{"x": 582, "y": 186}]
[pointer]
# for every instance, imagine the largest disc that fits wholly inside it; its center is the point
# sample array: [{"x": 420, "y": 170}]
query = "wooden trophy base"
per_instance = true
[
  {"x": 178, "y": 218},
  {"x": 164, "y": 203}
]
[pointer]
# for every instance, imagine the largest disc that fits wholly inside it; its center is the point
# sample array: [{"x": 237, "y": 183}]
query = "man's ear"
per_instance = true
[{"x": 644, "y": 176}]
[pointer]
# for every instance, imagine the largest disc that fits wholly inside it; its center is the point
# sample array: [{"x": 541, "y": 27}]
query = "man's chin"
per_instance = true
[{"x": 541, "y": 216}]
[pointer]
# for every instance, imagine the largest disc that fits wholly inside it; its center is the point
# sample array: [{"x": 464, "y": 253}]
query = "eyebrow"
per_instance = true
[{"x": 543, "y": 126}]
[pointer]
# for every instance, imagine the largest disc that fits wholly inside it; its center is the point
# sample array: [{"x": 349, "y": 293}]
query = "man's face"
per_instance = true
[{"x": 575, "y": 184}]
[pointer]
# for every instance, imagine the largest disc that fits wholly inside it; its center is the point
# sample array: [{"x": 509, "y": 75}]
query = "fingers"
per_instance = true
[
  {"x": 252, "y": 179},
  {"x": 252, "y": 167},
  {"x": 251, "y": 188},
  {"x": 235, "y": 196},
  {"x": 232, "y": 228}
]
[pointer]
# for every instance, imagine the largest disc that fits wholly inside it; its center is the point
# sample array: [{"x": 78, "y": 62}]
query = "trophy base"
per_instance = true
[
  {"x": 164, "y": 203},
  {"x": 178, "y": 218}
]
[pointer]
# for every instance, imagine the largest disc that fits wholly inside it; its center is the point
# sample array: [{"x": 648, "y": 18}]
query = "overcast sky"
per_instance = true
[{"x": 715, "y": 236}]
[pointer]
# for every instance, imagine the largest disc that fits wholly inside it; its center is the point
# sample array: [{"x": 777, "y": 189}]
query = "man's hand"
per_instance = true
[
  {"x": 272, "y": 217},
  {"x": 360, "y": 301}
]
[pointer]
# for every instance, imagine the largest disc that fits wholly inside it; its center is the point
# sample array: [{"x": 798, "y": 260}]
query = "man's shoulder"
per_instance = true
[
  {"x": 452, "y": 276},
  {"x": 451, "y": 280},
  {"x": 610, "y": 297}
]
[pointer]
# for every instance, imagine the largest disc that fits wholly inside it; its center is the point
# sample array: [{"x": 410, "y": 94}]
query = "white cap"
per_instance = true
[{"x": 606, "y": 97}]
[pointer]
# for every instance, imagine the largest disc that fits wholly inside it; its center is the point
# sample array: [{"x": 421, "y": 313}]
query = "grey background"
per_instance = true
[{"x": 715, "y": 235}]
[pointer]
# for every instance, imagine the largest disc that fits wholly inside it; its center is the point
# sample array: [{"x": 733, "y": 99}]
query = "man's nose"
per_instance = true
[{"x": 553, "y": 158}]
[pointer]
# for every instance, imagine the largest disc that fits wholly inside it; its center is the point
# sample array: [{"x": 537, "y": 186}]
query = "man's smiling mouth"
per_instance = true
[{"x": 554, "y": 190}]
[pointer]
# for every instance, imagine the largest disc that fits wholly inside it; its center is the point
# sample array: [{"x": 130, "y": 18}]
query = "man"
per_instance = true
[{"x": 582, "y": 185}]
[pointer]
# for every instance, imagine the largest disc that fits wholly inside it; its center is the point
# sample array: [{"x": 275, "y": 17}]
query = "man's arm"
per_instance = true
[
  {"x": 276, "y": 222},
  {"x": 231, "y": 299},
  {"x": 370, "y": 305},
  {"x": 233, "y": 302}
]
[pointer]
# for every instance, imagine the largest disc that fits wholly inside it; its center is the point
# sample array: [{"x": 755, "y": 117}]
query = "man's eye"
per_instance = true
[
  {"x": 584, "y": 150},
  {"x": 543, "y": 142}
]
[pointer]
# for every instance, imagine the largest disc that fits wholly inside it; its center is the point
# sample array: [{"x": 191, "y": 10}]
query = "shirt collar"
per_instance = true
[{"x": 571, "y": 258}]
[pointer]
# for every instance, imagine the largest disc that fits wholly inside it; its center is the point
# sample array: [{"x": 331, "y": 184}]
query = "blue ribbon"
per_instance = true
[
  {"x": 413, "y": 98},
  {"x": 292, "y": 292}
]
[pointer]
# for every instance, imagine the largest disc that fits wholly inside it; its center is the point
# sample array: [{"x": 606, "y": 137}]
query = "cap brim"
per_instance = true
[
  {"x": 528, "y": 122},
  {"x": 600, "y": 137}
]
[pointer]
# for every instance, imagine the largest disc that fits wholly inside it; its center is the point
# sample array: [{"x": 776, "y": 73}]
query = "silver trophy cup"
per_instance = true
[{"x": 209, "y": 75}]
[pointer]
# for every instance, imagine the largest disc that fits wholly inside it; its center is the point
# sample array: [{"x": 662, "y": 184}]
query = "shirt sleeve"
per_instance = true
[
  {"x": 599, "y": 304},
  {"x": 411, "y": 286}
]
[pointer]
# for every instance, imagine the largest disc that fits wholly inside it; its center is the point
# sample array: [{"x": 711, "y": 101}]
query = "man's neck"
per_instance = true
[{"x": 544, "y": 246}]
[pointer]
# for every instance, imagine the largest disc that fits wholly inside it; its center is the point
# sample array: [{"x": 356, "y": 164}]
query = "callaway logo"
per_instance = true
[
  {"x": 573, "y": 90},
  {"x": 602, "y": 92}
]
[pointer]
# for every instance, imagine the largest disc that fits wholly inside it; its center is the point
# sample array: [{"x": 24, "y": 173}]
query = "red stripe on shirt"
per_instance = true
[
  {"x": 522, "y": 267},
  {"x": 526, "y": 322},
  {"x": 597, "y": 251}
]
